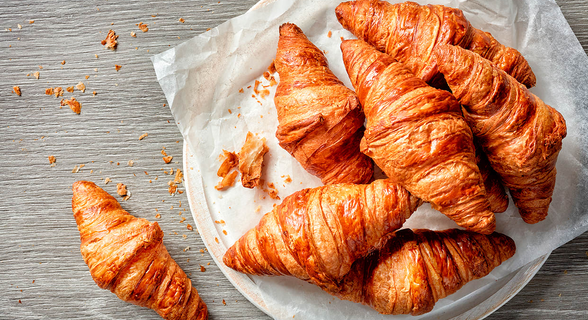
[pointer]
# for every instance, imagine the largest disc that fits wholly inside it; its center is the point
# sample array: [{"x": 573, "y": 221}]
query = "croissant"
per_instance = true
[
  {"x": 126, "y": 255},
  {"x": 316, "y": 234},
  {"x": 417, "y": 135},
  {"x": 320, "y": 120},
  {"x": 521, "y": 135},
  {"x": 409, "y": 33},
  {"x": 415, "y": 269}
]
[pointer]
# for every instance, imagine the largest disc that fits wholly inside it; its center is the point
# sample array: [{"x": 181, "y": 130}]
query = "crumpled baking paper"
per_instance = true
[{"x": 202, "y": 78}]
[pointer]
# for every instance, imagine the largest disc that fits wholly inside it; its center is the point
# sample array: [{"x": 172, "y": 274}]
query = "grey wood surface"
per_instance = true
[{"x": 42, "y": 274}]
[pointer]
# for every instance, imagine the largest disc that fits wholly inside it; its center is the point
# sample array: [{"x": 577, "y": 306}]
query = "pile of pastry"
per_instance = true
[{"x": 444, "y": 110}]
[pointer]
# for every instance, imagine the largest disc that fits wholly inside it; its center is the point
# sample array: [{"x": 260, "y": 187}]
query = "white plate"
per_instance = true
[{"x": 477, "y": 306}]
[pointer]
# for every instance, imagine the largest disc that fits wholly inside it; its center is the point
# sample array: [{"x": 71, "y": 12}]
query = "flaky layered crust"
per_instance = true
[
  {"x": 410, "y": 32},
  {"x": 418, "y": 136},
  {"x": 415, "y": 269},
  {"x": 316, "y": 234},
  {"x": 320, "y": 120},
  {"x": 126, "y": 255},
  {"x": 520, "y": 134}
]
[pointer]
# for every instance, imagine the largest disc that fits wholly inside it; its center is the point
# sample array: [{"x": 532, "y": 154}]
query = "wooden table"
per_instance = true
[{"x": 42, "y": 274}]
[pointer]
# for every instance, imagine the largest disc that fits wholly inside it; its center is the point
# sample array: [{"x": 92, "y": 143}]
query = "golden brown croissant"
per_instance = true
[
  {"x": 409, "y": 33},
  {"x": 316, "y": 234},
  {"x": 521, "y": 135},
  {"x": 320, "y": 120},
  {"x": 126, "y": 255},
  {"x": 415, "y": 269},
  {"x": 494, "y": 188},
  {"x": 417, "y": 135}
]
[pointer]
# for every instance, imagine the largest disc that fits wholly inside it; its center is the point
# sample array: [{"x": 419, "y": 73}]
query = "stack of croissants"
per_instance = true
[{"x": 441, "y": 107}]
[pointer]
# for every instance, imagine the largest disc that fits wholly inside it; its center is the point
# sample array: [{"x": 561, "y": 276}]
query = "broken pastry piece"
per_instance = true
[
  {"x": 231, "y": 161},
  {"x": 520, "y": 134},
  {"x": 410, "y": 32},
  {"x": 320, "y": 120},
  {"x": 126, "y": 255},
  {"x": 418, "y": 136},
  {"x": 251, "y": 160},
  {"x": 415, "y": 269},
  {"x": 316, "y": 234}
]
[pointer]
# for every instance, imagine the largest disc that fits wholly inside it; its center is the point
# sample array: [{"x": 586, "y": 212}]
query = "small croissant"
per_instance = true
[
  {"x": 316, "y": 234},
  {"x": 418, "y": 136},
  {"x": 320, "y": 120},
  {"x": 126, "y": 255},
  {"x": 520, "y": 134},
  {"x": 410, "y": 32},
  {"x": 415, "y": 269}
]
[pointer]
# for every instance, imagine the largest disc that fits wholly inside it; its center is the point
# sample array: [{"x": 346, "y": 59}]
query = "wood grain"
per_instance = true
[{"x": 42, "y": 273}]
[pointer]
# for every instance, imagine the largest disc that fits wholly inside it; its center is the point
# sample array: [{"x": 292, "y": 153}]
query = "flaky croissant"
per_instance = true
[
  {"x": 409, "y": 33},
  {"x": 521, "y": 135},
  {"x": 126, "y": 255},
  {"x": 415, "y": 269},
  {"x": 417, "y": 135},
  {"x": 320, "y": 120},
  {"x": 316, "y": 234}
]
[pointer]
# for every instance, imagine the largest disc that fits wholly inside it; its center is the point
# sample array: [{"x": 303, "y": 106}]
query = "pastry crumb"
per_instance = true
[
  {"x": 76, "y": 169},
  {"x": 133, "y": 34},
  {"x": 130, "y": 163},
  {"x": 16, "y": 90},
  {"x": 52, "y": 159},
  {"x": 110, "y": 41},
  {"x": 69, "y": 89},
  {"x": 179, "y": 176},
  {"x": 287, "y": 178},
  {"x": 227, "y": 181},
  {"x": 74, "y": 105},
  {"x": 167, "y": 159},
  {"x": 58, "y": 92},
  {"x": 37, "y": 75},
  {"x": 172, "y": 187},
  {"x": 81, "y": 86},
  {"x": 143, "y": 26},
  {"x": 182, "y": 20},
  {"x": 121, "y": 189},
  {"x": 202, "y": 268},
  {"x": 117, "y": 67},
  {"x": 231, "y": 160},
  {"x": 49, "y": 91},
  {"x": 158, "y": 216},
  {"x": 107, "y": 180},
  {"x": 143, "y": 136},
  {"x": 251, "y": 160},
  {"x": 189, "y": 227},
  {"x": 63, "y": 62},
  {"x": 329, "y": 34}
]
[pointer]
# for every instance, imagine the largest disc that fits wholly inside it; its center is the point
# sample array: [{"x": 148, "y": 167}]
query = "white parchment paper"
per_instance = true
[{"x": 201, "y": 79}]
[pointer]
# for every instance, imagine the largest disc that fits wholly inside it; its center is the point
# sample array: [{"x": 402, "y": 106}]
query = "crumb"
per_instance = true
[
  {"x": 130, "y": 163},
  {"x": 58, "y": 92},
  {"x": 267, "y": 75},
  {"x": 186, "y": 249},
  {"x": 81, "y": 86},
  {"x": 52, "y": 159},
  {"x": 287, "y": 178},
  {"x": 189, "y": 227},
  {"x": 342, "y": 38},
  {"x": 158, "y": 216},
  {"x": 179, "y": 176},
  {"x": 133, "y": 34},
  {"x": 231, "y": 160},
  {"x": 143, "y": 27},
  {"x": 216, "y": 239},
  {"x": 87, "y": 77},
  {"x": 110, "y": 40},
  {"x": 121, "y": 189},
  {"x": 241, "y": 90},
  {"x": 272, "y": 67},
  {"x": 167, "y": 159},
  {"x": 19, "y": 26},
  {"x": 69, "y": 89},
  {"x": 63, "y": 62},
  {"x": 94, "y": 93},
  {"x": 224, "y": 302},
  {"x": 49, "y": 91},
  {"x": 74, "y": 105},
  {"x": 258, "y": 209},
  {"x": 202, "y": 268},
  {"x": 163, "y": 152},
  {"x": 172, "y": 187},
  {"x": 143, "y": 136},
  {"x": 76, "y": 169},
  {"x": 251, "y": 159},
  {"x": 37, "y": 75},
  {"x": 117, "y": 67},
  {"x": 31, "y": 21},
  {"x": 184, "y": 236},
  {"x": 329, "y": 34},
  {"x": 227, "y": 181},
  {"x": 182, "y": 20},
  {"x": 225, "y": 232},
  {"x": 16, "y": 89},
  {"x": 107, "y": 180},
  {"x": 273, "y": 192}
]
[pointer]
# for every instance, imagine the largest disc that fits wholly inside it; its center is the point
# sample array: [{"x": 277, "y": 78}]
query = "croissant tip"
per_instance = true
[
  {"x": 343, "y": 11},
  {"x": 289, "y": 28}
]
